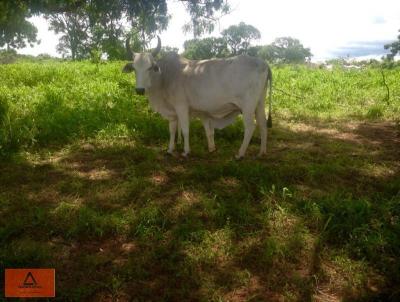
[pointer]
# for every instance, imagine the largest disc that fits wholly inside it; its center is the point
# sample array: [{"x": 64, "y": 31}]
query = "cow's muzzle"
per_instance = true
[{"x": 140, "y": 91}]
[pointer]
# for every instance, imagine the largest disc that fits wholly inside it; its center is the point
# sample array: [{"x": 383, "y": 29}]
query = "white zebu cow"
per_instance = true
[{"x": 215, "y": 91}]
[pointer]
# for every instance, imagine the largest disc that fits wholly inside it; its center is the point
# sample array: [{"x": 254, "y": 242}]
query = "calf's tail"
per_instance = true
[{"x": 269, "y": 80}]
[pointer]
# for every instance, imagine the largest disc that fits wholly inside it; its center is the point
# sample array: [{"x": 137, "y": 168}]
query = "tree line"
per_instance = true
[
  {"x": 238, "y": 39},
  {"x": 88, "y": 27}
]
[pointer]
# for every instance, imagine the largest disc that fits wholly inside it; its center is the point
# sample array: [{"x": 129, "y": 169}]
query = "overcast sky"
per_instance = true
[{"x": 331, "y": 28}]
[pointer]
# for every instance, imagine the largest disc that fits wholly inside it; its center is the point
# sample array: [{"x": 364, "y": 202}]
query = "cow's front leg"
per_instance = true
[
  {"x": 172, "y": 131},
  {"x": 209, "y": 133},
  {"x": 249, "y": 126},
  {"x": 183, "y": 118}
]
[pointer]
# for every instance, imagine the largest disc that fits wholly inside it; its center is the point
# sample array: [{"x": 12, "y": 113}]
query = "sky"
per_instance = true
[{"x": 330, "y": 28}]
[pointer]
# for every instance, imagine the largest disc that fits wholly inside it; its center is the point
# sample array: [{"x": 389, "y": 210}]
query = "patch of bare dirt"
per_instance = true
[
  {"x": 384, "y": 136},
  {"x": 376, "y": 133}
]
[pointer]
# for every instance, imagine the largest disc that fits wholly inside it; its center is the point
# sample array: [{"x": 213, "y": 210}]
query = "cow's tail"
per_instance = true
[{"x": 269, "y": 80}]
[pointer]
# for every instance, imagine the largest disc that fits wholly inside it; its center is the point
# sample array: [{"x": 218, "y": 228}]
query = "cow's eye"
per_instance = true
[{"x": 156, "y": 68}]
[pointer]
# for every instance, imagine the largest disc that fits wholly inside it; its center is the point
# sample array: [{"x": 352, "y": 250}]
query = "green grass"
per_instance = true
[
  {"x": 86, "y": 188},
  {"x": 339, "y": 94}
]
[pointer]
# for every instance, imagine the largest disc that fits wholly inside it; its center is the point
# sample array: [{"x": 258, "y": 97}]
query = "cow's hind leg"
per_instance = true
[
  {"x": 172, "y": 131},
  {"x": 209, "y": 133},
  {"x": 262, "y": 125},
  {"x": 249, "y": 126},
  {"x": 183, "y": 118},
  {"x": 179, "y": 140}
]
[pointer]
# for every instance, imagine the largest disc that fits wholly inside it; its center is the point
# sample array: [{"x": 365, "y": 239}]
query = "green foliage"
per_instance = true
[
  {"x": 288, "y": 50},
  {"x": 137, "y": 44},
  {"x": 340, "y": 93},
  {"x": 207, "y": 48},
  {"x": 4, "y": 118},
  {"x": 25, "y": 252},
  {"x": 84, "y": 25},
  {"x": 237, "y": 40},
  {"x": 15, "y": 30},
  {"x": 167, "y": 49},
  {"x": 203, "y": 15},
  {"x": 8, "y": 56},
  {"x": 55, "y": 102},
  {"x": 394, "y": 48},
  {"x": 3, "y": 110},
  {"x": 83, "y": 222},
  {"x": 95, "y": 56},
  {"x": 285, "y": 50},
  {"x": 238, "y": 37},
  {"x": 148, "y": 18},
  {"x": 102, "y": 25},
  {"x": 268, "y": 53},
  {"x": 74, "y": 29}
]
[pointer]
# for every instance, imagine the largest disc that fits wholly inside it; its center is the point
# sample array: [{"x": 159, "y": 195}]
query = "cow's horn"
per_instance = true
[
  {"x": 128, "y": 48},
  {"x": 156, "y": 50}
]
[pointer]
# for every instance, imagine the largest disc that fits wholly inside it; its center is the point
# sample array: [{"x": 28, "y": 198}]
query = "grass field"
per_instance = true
[{"x": 86, "y": 187}]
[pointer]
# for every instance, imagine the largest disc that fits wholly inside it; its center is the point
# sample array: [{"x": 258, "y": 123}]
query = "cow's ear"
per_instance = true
[{"x": 128, "y": 68}]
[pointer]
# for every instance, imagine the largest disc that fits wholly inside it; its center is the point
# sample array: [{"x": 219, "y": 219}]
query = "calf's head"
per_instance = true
[{"x": 144, "y": 66}]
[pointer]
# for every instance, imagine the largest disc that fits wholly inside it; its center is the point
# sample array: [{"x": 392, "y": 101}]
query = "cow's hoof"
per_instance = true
[
  {"x": 185, "y": 154},
  {"x": 170, "y": 152},
  {"x": 261, "y": 154},
  {"x": 211, "y": 150},
  {"x": 238, "y": 157}
]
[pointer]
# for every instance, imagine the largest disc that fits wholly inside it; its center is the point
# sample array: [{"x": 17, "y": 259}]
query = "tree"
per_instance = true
[
  {"x": 106, "y": 20},
  {"x": 15, "y": 30},
  {"x": 167, "y": 49},
  {"x": 106, "y": 30},
  {"x": 74, "y": 28},
  {"x": 99, "y": 25},
  {"x": 394, "y": 48},
  {"x": 203, "y": 15},
  {"x": 207, "y": 48},
  {"x": 254, "y": 50},
  {"x": 268, "y": 53},
  {"x": 238, "y": 37},
  {"x": 148, "y": 18},
  {"x": 282, "y": 50},
  {"x": 288, "y": 50}
]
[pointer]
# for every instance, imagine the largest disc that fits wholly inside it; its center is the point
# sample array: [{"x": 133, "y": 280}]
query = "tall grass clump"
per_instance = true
[
  {"x": 303, "y": 92},
  {"x": 3, "y": 120},
  {"x": 54, "y": 103}
]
